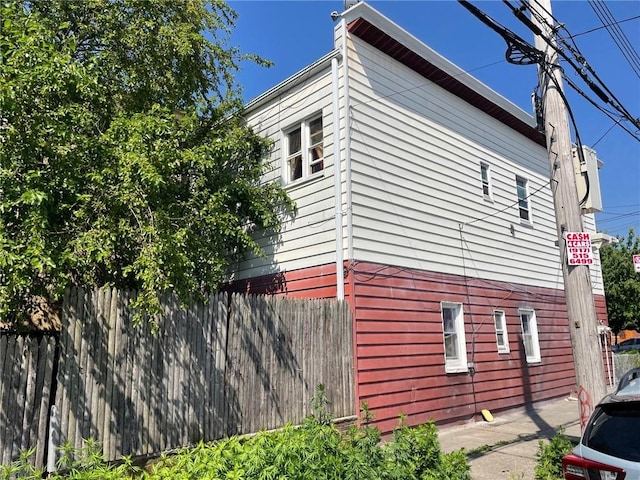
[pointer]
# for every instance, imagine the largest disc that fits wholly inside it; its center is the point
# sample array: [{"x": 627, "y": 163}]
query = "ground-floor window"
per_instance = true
[
  {"x": 501, "y": 331},
  {"x": 455, "y": 346},
  {"x": 530, "y": 335}
]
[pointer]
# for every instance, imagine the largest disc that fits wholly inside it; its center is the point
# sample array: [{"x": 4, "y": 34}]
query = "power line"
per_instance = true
[
  {"x": 422, "y": 85},
  {"x": 494, "y": 214},
  {"x": 609, "y": 114},
  {"x": 520, "y": 52},
  {"x": 605, "y": 133},
  {"x": 633, "y": 205},
  {"x": 621, "y": 41},
  {"x": 604, "y": 26},
  {"x": 619, "y": 216},
  {"x": 577, "y": 61}
]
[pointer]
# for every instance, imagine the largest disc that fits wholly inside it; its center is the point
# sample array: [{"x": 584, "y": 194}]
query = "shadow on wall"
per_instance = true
[{"x": 542, "y": 425}]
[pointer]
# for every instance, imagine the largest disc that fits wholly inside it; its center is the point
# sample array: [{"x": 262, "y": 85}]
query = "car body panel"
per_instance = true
[
  {"x": 626, "y": 345},
  {"x": 632, "y": 469},
  {"x": 613, "y": 428}
]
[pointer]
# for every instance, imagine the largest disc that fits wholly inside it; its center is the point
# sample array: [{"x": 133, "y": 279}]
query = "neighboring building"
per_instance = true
[
  {"x": 626, "y": 335},
  {"x": 439, "y": 230}
]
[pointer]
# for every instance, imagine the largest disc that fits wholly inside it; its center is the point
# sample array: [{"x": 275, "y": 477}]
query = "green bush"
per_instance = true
[
  {"x": 414, "y": 453},
  {"x": 549, "y": 456},
  {"x": 316, "y": 450},
  {"x": 86, "y": 463}
]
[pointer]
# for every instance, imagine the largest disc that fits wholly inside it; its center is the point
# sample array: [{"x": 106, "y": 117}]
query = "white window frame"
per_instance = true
[
  {"x": 524, "y": 201},
  {"x": 486, "y": 183},
  {"x": 500, "y": 323},
  {"x": 306, "y": 152},
  {"x": 531, "y": 348},
  {"x": 454, "y": 335}
]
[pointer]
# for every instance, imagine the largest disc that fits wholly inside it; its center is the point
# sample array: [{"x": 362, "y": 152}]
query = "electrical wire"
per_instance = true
[
  {"x": 422, "y": 85},
  {"x": 535, "y": 55},
  {"x": 579, "y": 64},
  {"x": 604, "y": 26},
  {"x": 609, "y": 114},
  {"x": 619, "y": 217},
  {"x": 471, "y": 222},
  {"x": 539, "y": 58},
  {"x": 605, "y": 133},
  {"x": 621, "y": 41},
  {"x": 583, "y": 66}
]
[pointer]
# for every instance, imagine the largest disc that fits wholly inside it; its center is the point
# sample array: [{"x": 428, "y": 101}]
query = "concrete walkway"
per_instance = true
[{"x": 506, "y": 448}]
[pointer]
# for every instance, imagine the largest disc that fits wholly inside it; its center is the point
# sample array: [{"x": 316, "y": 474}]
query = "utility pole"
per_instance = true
[{"x": 581, "y": 310}]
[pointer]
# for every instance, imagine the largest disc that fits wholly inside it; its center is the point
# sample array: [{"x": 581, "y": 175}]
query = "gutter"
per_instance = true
[{"x": 292, "y": 81}]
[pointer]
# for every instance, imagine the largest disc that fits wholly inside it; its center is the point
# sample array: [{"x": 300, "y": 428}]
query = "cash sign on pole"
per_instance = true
[{"x": 579, "y": 251}]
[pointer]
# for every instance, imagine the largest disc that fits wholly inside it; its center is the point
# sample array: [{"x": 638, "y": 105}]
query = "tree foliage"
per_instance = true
[
  {"x": 622, "y": 283},
  {"x": 124, "y": 160}
]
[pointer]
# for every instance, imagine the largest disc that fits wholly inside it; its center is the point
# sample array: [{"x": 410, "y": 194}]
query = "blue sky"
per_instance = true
[{"x": 293, "y": 34}]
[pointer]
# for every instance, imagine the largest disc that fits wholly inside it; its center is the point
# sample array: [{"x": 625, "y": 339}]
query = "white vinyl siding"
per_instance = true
[
  {"x": 455, "y": 347},
  {"x": 413, "y": 198},
  {"x": 415, "y": 181},
  {"x": 502, "y": 337},
  {"x": 307, "y": 239},
  {"x": 530, "y": 335}
]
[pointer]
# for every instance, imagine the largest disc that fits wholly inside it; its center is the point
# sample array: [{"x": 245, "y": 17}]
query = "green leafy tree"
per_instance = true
[
  {"x": 622, "y": 283},
  {"x": 124, "y": 159}
]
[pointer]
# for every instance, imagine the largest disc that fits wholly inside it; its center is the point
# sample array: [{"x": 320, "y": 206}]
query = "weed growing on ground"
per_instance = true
[
  {"x": 315, "y": 450},
  {"x": 549, "y": 456}
]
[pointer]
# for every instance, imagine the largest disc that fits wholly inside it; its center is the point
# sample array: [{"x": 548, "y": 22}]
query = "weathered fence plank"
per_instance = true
[
  {"x": 230, "y": 364},
  {"x": 47, "y": 359},
  {"x": 26, "y": 364}
]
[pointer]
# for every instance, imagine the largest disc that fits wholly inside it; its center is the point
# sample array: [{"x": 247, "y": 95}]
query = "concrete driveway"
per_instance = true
[{"x": 506, "y": 448}]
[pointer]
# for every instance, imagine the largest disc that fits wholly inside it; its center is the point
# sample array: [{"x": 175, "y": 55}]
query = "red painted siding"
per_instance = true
[{"x": 399, "y": 351}]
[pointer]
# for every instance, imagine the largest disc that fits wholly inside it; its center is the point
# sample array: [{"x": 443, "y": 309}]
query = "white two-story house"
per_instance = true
[{"x": 423, "y": 200}]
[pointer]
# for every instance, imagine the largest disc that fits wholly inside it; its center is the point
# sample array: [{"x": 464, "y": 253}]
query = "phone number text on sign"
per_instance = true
[{"x": 579, "y": 250}]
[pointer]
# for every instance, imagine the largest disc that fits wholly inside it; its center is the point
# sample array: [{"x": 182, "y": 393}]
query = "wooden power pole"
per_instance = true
[{"x": 581, "y": 310}]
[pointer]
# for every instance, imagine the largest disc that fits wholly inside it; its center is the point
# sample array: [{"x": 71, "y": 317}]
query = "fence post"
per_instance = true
[{"x": 53, "y": 439}]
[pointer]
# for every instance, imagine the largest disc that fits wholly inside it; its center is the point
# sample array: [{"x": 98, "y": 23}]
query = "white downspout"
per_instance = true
[
  {"x": 337, "y": 176},
  {"x": 347, "y": 137}
]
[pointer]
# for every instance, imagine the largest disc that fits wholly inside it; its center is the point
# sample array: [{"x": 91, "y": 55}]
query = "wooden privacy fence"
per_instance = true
[
  {"x": 26, "y": 376},
  {"x": 229, "y": 365}
]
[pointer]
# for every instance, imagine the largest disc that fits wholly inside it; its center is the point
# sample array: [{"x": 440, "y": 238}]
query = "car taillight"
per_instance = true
[{"x": 578, "y": 468}]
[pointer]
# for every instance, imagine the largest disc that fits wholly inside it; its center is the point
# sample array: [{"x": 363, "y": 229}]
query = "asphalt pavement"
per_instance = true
[{"x": 506, "y": 447}]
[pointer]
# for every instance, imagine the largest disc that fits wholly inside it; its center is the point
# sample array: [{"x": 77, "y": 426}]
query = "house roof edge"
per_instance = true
[
  {"x": 293, "y": 80},
  {"x": 374, "y": 28}
]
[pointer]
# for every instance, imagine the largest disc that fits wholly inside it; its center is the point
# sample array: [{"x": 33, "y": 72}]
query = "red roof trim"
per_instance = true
[{"x": 388, "y": 45}]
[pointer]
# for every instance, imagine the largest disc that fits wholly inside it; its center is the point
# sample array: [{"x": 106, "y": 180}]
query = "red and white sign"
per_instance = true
[
  {"x": 579, "y": 250},
  {"x": 636, "y": 263}
]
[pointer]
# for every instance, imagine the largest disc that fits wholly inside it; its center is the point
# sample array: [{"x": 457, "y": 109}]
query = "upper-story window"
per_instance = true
[
  {"x": 304, "y": 154},
  {"x": 485, "y": 175},
  {"x": 524, "y": 206}
]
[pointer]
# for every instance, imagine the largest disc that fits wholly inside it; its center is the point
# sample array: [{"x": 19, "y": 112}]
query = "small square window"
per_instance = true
[
  {"x": 502, "y": 339},
  {"x": 305, "y": 150},
  {"x": 530, "y": 335},
  {"x": 455, "y": 347}
]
